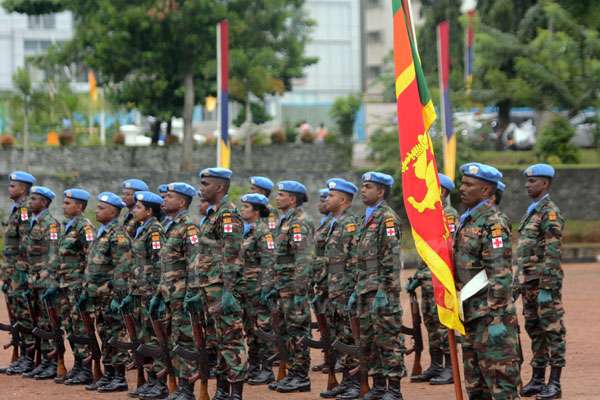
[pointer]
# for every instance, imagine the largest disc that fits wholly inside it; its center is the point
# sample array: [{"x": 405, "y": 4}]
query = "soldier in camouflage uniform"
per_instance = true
[
  {"x": 340, "y": 263},
  {"x": 538, "y": 257},
  {"x": 257, "y": 258},
  {"x": 482, "y": 257},
  {"x": 440, "y": 370},
  {"x": 40, "y": 249},
  {"x": 377, "y": 289},
  {"x": 73, "y": 244},
  {"x": 289, "y": 282},
  {"x": 264, "y": 186},
  {"x": 107, "y": 274},
  {"x": 216, "y": 273},
  {"x": 129, "y": 187},
  {"x": 176, "y": 254},
  {"x": 14, "y": 280}
]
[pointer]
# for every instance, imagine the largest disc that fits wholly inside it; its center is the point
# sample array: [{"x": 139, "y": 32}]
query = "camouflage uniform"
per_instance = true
[
  {"x": 215, "y": 270},
  {"x": 107, "y": 275},
  {"x": 291, "y": 277},
  {"x": 378, "y": 270},
  {"x": 73, "y": 246},
  {"x": 538, "y": 258},
  {"x": 319, "y": 273},
  {"x": 271, "y": 220},
  {"x": 482, "y": 243},
  {"x": 129, "y": 224},
  {"x": 176, "y": 254}
]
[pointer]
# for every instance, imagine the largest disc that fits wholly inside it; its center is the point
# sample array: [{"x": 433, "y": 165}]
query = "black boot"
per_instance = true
[
  {"x": 393, "y": 391},
  {"x": 352, "y": 389},
  {"x": 151, "y": 381},
  {"x": 72, "y": 372},
  {"x": 434, "y": 369},
  {"x": 223, "y": 388},
  {"x": 297, "y": 383},
  {"x": 339, "y": 389},
  {"x": 155, "y": 392},
  {"x": 117, "y": 384},
  {"x": 264, "y": 377},
  {"x": 237, "y": 389},
  {"x": 378, "y": 389},
  {"x": 43, "y": 365},
  {"x": 273, "y": 385},
  {"x": 109, "y": 373},
  {"x": 253, "y": 369},
  {"x": 536, "y": 384},
  {"x": 552, "y": 389},
  {"x": 83, "y": 377},
  {"x": 186, "y": 390},
  {"x": 445, "y": 376},
  {"x": 47, "y": 373}
]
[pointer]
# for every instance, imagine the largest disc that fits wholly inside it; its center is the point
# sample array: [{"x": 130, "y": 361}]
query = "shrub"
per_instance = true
[
  {"x": 290, "y": 132},
  {"x": 7, "y": 141},
  {"x": 66, "y": 138},
  {"x": 554, "y": 142},
  {"x": 171, "y": 139},
  {"x": 307, "y": 137},
  {"x": 344, "y": 111},
  {"x": 278, "y": 137},
  {"x": 118, "y": 138}
]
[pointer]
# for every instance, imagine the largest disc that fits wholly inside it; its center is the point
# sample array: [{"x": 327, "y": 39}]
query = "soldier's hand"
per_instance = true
[
  {"x": 49, "y": 293},
  {"x": 412, "y": 285},
  {"x": 115, "y": 306},
  {"x": 192, "y": 302},
  {"x": 544, "y": 297},
  {"x": 380, "y": 301},
  {"x": 496, "y": 331},
  {"x": 126, "y": 302},
  {"x": 351, "y": 305},
  {"x": 155, "y": 305}
]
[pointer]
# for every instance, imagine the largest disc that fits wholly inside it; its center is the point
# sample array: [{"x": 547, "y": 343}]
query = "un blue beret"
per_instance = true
[
  {"x": 77, "y": 194},
  {"x": 342, "y": 185},
  {"x": 544, "y": 170},
  {"x": 182, "y": 188},
  {"x": 135, "y": 184},
  {"x": 501, "y": 186},
  {"x": 111, "y": 198},
  {"x": 43, "y": 191},
  {"x": 446, "y": 182},
  {"x": 378, "y": 177},
  {"x": 164, "y": 188},
  {"x": 217, "y": 172},
  {"x": 21, "y": 176},
  {"x": 292, "y": 186},
  {"x": 481, "y": 171},
  {"x": 323, "y": 193},
  {"x": 255, "y": 198},
  {"x": 148, "y": 197},
  {"x": 262, "y": 182}
]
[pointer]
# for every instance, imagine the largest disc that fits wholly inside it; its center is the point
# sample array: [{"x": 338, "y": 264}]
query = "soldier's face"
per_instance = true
[
  {"x": 105, "y": 212},
  {"x": 140, "y": 212},
  {"x": 16, "y": 190},
  {"x": 256, "y": 189},
  {"x": 248, "y": 213},
  {"x": 173, "y": 203},
  {"x": 536, "y": 186},
  {"x": 473, "y": 191},
  {"x": 371, "y": 193},
  {"x": 210, "y": 187},
  {"x": 37, "y": 203},
  {"x": 72, "y": 208},
  {"x": 284, "y": 200},
  {"x": 335, "y": 201},
  {"x": 127, "y": 197},
  {"x": 323, "y": 209}
]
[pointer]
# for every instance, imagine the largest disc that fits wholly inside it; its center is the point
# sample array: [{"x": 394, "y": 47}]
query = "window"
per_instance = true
[
  {"x": 33, "y": 47},
  {"x": 374, "y": 37},
  {"x": 373, "y": 71},
  {"x": 46, "y": 21}
]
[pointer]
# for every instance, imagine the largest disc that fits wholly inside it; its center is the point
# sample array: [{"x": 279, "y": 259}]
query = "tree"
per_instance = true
[
  {"x": 33, "y": 7},
  {"x": 344, "y": 111},
  {"x": 555, "y": 141}
]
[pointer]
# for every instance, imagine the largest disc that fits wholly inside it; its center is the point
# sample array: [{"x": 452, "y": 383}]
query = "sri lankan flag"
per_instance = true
[{"x": 420, "y": 184}]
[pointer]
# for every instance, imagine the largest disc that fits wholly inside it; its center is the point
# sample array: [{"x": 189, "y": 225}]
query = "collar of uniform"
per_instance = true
[
  {"x": 534, "y": 206},
  {"x": 106, "y": 227},
  {"x": 325, "y": 218},
  {"x": 69, "y": 223},
  {"x": 35, "y": 218},
  {"x": 181, "y": 214},
  {"x": 286, "y": 215},
  {"x": 248, "y": 228},
  {"x": 369, "y": 211},
  {"x": 481, "y": 208},
  {"x": 143, "y": 226}
]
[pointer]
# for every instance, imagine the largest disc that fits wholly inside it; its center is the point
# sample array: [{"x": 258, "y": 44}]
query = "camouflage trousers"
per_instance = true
[
  {"x": 545, "y": 326},
  {"x": 71, "y": 320},
  {"x": 18, "y": 294},
  {"x": 180, "y": 335},
  {"x": 338, "y": 322},
  {"x": 296, "y": 323},
  {"x": 109, "y": 325},
  {"x": 256, "y": 314},
  {"x": 436, "y": 332},
  {"x": 144, "y": 331},
  {"x": 380, "y": 334},
  {"x": 491, "y": 370}
]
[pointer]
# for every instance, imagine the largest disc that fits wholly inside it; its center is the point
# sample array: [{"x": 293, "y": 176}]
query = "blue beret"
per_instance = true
[
  {"x": 292, "y": 186},
  {"x": 148, "y": 197},
  {"x": 544, "y": 170},
  {"x": 446, "y": 182},
  {"x": 262, "y": 182},
  {"x": 43, "y": 191},
  {"x": 217, "y": 172},
  {"x": 164, "y": 188},
  {"x": 255, "y": 198},
  {"x": 501, "y": 186},
  {"x": 378, "y": 177},
  {"x": 135, "y": 184},
  {"x": 182, "y": 188},
  {"x": 21, "y": 176},
  {"x": 323, "y": 193},
  {"x": 342, "y": 185},
  {"x": 481, "y": 171},
  {"x": 77, "y": 194},
  {"x": 111, "y": 198}
]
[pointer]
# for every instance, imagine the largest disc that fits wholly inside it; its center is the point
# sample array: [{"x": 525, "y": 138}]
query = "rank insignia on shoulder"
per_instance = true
[
  {"x": 552, "y": 216},
  {"x": 296, "y": 229},
  {"x": 497, "y": 230},
  {"x": 351, "y": 228},
  {"x": 155, "y": 236},
  {"x": 24, "y": 214},
  {"x": 226, "y": 220}
]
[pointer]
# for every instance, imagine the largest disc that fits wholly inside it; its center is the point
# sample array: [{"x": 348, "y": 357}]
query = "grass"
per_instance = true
[{"x": 590, "y": 158}]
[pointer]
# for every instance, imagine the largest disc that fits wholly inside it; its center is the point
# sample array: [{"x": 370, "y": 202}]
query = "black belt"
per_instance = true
[{"x": 285, "y": 259}]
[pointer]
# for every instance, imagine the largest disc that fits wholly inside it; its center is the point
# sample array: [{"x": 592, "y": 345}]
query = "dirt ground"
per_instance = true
[{"x": 579, "y": 378}]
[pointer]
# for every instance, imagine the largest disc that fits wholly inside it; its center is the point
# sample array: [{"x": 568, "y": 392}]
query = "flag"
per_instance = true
[
  {"x": 470, "y": 36},
  {"x": 92, "y": 82},
  {"x": 420, "y": 183},
  {"x": 223, "y": 143},
  {"x": 443, "y": 37}
]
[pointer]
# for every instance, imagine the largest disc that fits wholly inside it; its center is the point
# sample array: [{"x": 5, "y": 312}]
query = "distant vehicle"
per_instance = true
[
  {"x": 134, "y": 136},
  {"x": 585, "y": 127}
]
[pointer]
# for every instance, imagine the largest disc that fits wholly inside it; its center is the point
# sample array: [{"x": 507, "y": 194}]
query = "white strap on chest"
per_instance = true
[{"x": 471, "y": 288}]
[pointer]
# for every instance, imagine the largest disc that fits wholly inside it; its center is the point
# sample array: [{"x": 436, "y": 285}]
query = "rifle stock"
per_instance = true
[
  {"x": 138, "y": 359},
  {"x": 59, "y": 351},
  {"x": 96, "y": 354},
  {"x": 161, "y": 336},
  {"x": 417, "y": 369},
  {"x": 15, "y": 337},
  {"x": 330, "y": 357},
  {"x": 36, "y": 349},
  {"x": 281, "y": 345},
  {"x": 198, "y": 331},
  {"x": 362, "y": 359}
]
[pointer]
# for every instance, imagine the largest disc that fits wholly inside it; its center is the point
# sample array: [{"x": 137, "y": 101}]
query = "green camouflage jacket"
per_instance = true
[
  {"x": 378, "y": 252},
  {"x": 40, "y": 247},
  {"x": 539, "y": 248},
  {"x": 73, "y": 245},
  {"x": 482, "y": 242},
  {"x": 340, "y": 254},
  {"x": 145, "y": 248},
  {"x": 319, "y": 272},
  {"x": 257, "y": 254},
  {"x": 271, "y": 220},
  {"x": 17, "y": 226},
  {"x": 129, "y": 224}
]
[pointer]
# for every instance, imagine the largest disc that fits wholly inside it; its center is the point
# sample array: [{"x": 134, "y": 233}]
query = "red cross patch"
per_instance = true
[
  {"x": 193, "y": 239},
  {"x": 272, "y": 225},
  {"x": 297, "y": 237},
  {"x": 497, "y": 243},
  {"x": 390, "y": 231},
  {"x": 452, "y": 227},
  {"x": 227, "y": 228},
  {"x": 89, "y": 236},
  {"x": 53, "y": 235},
  {"x": 24, "y": 215},
  {"x": 155, "y": 245}
]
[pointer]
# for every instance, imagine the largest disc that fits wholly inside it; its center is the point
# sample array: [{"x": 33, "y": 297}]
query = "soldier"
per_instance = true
[
  {"x": 257, "y": 258},
  {"x": 440, "y": 370},
  {"x": 538, "y": 257},
  {"x": 14, "y": 279},
  {"x": 78, "y": 234},
  {"x": 162, "y": 191},
  {"x": 40, "y": 250},
  {"x": 145, "y": 249},
  {"x": 176, "y": 254},
  {"x": 129, "y": 187},
  {"x": 107, "y": 274},
  {"x": 340, "y": 264},
  {"x": 290, "y": 280},
  {"x": 499, "y": 193},
  {"x": 264, "y": 186},
  {"x": 482, "y": 257},
  {"x": 377, "y": 288}
]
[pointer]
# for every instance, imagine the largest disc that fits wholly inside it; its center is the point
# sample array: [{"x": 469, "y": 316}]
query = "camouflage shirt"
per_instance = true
[
  {"x": 257, "y": 252},
  {"x": 109, "y": 261},
  {"x": 145, "y": 249},
  {"x": 378, "y": 251},
  {"x": 319, "y": 273},
  {"x": 482, "y": 242},
  {"x": 128, "y": 222},
  {"x": 340, "y": 254},
  {"x": 40, "y": 247},
  {"x": 539, "y": 248},
  {"x": 17, "y": 226},
  {"x": 271, "y": 220},
  {"x": 73, "y": 244}
]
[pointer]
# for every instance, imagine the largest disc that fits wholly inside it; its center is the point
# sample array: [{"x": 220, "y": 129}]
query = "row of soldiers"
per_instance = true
[{"x": 149, "y": 259}]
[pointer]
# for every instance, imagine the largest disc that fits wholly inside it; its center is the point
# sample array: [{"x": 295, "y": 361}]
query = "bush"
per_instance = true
[
  {"x": 290, "y": 132},
  {"x": 7, "y": 141},
  {"x": 118, "y": 138},
  {"x": 307, "y": 137},
  {"x": 260, "y": 139},
  {"x": 278, "y": 137},
  {"x": 344, "y": 111},
  {"x": 331, "y": 138},
  {"x": 171, "y": 139},
  {"x": 554, "y": 142},
  {"x": 66, "y": 138}
]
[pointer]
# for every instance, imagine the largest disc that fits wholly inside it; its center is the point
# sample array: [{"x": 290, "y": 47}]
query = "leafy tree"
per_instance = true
[
  {"x": 344, "y": 111},
  {"x": 33, "y": 7},
  {"x": 555, "y": 142}
]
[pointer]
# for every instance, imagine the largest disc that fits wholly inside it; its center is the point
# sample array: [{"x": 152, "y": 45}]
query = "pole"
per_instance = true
[{"x": 458, "y": 393}]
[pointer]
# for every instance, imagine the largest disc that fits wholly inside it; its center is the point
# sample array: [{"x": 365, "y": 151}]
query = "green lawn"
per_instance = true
[{"x": 590, "y": 158}]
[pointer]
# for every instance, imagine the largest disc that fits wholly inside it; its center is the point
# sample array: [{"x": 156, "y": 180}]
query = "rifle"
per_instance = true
[
  {"x": 56, "y": 335},
  {"x": 15, "y": 336},
  {"x": 356, "y": 351},
  {"x": 33, "y": 312},
  {"x": 138, "y": 359},
  {"x": 89, "y": 340},
  {"x": 324, "y": 344},
  {"x": 276, "y": 337},
  {"x": 416, "y": 333},
  {"x": 160, "y": 352}
]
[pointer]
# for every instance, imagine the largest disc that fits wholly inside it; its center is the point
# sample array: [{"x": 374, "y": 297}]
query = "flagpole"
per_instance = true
[
  {"x": 458, "y": 393},
  {"x": 219, "y": 96}
]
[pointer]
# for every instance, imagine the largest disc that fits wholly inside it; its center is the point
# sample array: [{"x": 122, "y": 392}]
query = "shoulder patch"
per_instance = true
[
  {"x": 351, "y": 228},
  {"x": 53, "y": 231},
  {"x": 270, "y": 242},
  {"x": 272, "y": 223},
  {"x": 390, "y": 222},
  {"x": 24, "y": 214},
  {"x": 497, "y": 230},
  {"x": 227, "y": 220},
  {"x": 192, "y": 234},
  {"x": 296, "y": 228},
  {"x": 121, "y": 239},
  {"x": 552, "y": 216},
  {"x": 89, "y": 234}
]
